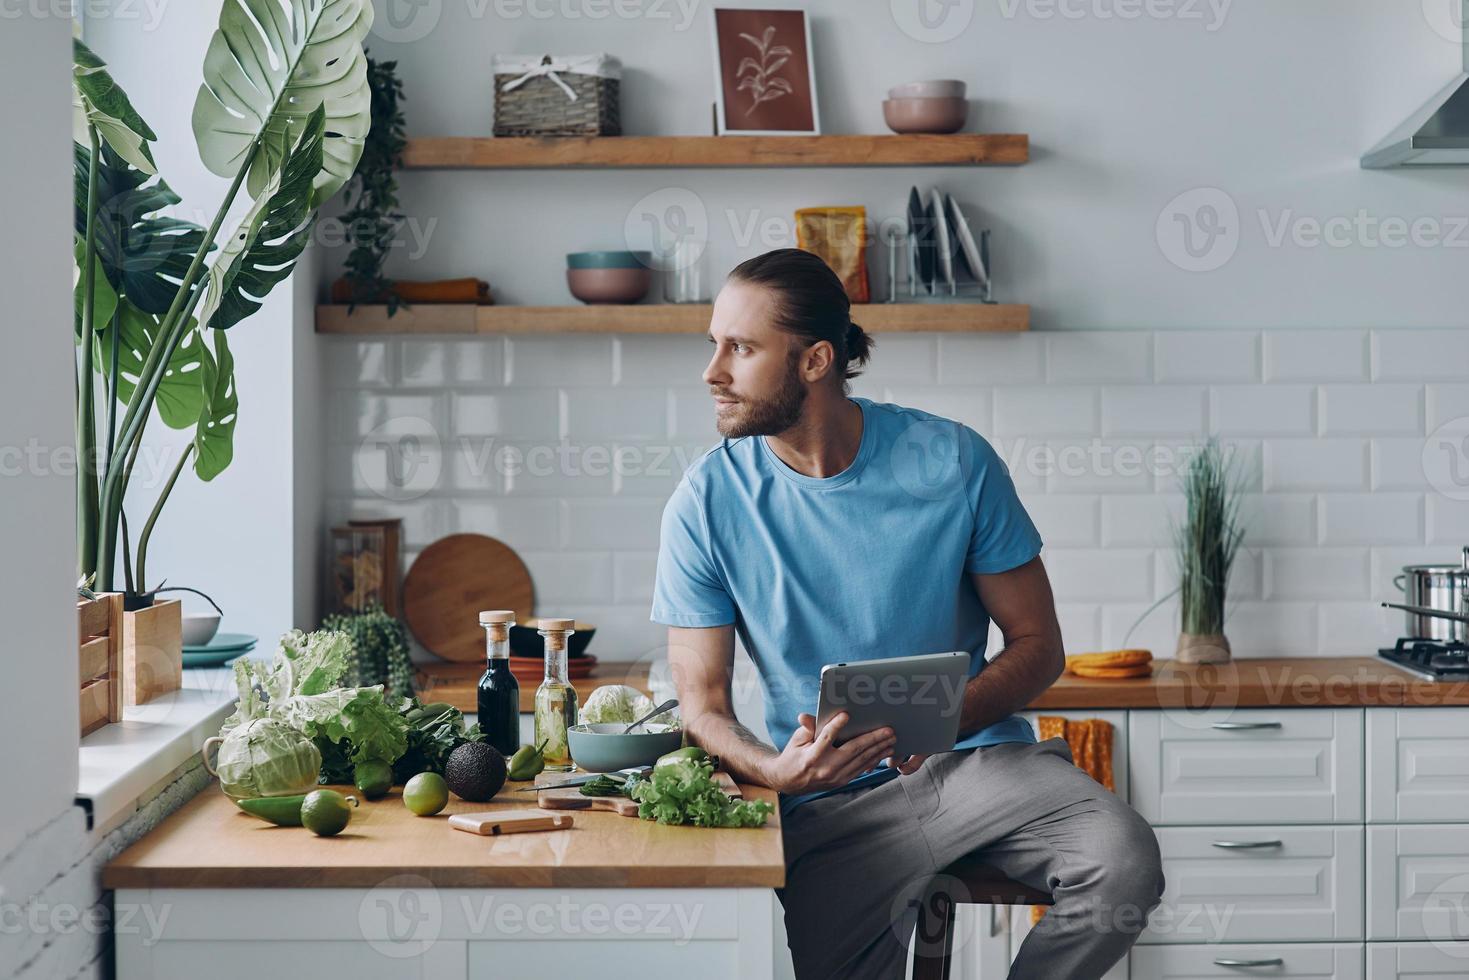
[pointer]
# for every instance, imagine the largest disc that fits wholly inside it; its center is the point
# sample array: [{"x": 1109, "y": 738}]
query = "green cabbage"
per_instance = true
[
  {"x": 620, "y": 703},
  {"x": 264, "y": 757}
]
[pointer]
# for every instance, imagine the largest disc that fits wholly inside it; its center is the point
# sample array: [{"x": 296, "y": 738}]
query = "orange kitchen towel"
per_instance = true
[
  {"x": 1091, "y": 742},
  {"x": 467, "y": 290}
]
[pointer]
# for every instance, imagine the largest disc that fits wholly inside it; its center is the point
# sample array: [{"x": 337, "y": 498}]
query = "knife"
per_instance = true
[{"x": 586, "y": 778}]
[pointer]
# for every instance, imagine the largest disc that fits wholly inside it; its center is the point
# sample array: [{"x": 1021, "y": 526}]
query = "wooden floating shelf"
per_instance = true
[
  {"x": 554, "y": 152},
  {"x": 424, "y": 318}
]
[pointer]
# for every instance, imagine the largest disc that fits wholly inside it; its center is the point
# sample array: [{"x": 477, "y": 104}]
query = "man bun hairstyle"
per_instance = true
[{"x": 811, "y": 303}]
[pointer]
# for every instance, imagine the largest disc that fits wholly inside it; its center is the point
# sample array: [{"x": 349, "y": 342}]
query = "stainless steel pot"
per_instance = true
[{"x": 1440, "y": 587}]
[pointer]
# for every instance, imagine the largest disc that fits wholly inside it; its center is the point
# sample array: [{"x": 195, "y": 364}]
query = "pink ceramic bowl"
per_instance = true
[
  {"x": 944, "y": 115},
  {"x": 609, "y": 285}
]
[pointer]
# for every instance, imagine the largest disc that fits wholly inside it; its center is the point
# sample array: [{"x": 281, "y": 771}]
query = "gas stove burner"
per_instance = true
[{"x": 1433, "y": 660}]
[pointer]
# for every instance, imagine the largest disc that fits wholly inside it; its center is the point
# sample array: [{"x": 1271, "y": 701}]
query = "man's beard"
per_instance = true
[{"x": 768, "y": 417}]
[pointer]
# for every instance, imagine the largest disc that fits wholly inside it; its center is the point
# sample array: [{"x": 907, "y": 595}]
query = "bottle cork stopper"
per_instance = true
[
  {"x": 489, "y": 617},
  {"x": 557, "y": 624}
]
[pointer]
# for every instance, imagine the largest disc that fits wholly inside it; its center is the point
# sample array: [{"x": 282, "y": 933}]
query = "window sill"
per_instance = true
[{"x": 120, "y": 763}]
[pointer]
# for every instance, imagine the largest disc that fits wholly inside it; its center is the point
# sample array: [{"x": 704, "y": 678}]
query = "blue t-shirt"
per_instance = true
[{"x": 872, "y": 562}]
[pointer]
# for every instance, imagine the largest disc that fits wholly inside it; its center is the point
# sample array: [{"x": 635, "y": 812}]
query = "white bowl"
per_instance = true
[
  {"x": 937, "y": 88},
  {"x": 199, "y": 628}
]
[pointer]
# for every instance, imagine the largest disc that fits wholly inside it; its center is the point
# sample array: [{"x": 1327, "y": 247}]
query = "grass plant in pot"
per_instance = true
[
  {"x": 1205, "y": 545},
  {"x": 282, "y": 112}
]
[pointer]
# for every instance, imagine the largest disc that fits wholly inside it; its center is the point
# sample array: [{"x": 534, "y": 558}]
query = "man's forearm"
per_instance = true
[
  {"x": 742, "y": 753},
  {"x": 1010, "y": 682}
]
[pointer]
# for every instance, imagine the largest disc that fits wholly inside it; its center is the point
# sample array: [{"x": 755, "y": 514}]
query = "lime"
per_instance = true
[
  {"x": 426, "y": 794},
  {"x": 326, "y": 812},
  {"x": 374, "y": 778}
]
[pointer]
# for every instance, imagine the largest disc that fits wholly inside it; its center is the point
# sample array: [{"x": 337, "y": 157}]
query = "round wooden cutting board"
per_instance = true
[{"x": 451, "y": 581}]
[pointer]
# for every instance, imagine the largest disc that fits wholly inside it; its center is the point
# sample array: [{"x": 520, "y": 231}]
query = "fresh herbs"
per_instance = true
[
  {"x": 372, "y": 216},
  {"x": 380, "y": 649},
  {"x": 686, "y": 793},
  {"x": 434, "y": 732},
  {"x": 605, "y": 784}
]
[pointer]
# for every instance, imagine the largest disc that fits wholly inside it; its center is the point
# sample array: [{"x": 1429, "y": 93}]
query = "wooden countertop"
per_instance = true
[
  {"x": 458, "y": 684},
  {"x": 1258, "y": 682},
  {"x": 211, "y": 843}
]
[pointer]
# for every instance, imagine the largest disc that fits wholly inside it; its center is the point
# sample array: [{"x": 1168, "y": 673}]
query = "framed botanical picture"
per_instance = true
[{"x": 764, "y": 77}]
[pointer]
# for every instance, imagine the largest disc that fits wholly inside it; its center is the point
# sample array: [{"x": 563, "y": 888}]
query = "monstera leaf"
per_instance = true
[
  {"x": 104, "y": 297},
  {"x": 214, "y": 436},
  {"x": 264, "y": 247},
  {"x": 270, "y": 65},
  {"x": 143, "y": 254},
  {"x": 180, "y": 397},
  {"x": 96, "y": 99}
]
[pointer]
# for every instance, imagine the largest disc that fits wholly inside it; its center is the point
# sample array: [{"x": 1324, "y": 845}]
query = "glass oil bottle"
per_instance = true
[{"x": 556, "y": 703}]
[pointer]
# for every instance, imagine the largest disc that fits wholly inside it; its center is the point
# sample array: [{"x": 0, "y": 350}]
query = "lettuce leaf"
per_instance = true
[
  {"x": 686, "y": 793},
  {"x": 357, "y": 716}
]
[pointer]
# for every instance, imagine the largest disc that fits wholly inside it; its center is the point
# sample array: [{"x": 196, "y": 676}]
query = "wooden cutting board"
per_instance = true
[
  {"x": 571, "y": 798},
  {"x": 451, "y": 581}
]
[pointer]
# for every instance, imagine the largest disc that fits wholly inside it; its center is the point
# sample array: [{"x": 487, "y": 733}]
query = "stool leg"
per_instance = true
[{"x": 933, "y": 937}]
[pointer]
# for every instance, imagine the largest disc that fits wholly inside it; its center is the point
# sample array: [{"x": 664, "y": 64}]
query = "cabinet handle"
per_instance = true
[
  {"x": 1240, "y": 726},
  {"x": 1273, "y": 961},
  {"x": 1246, "y": 843}
]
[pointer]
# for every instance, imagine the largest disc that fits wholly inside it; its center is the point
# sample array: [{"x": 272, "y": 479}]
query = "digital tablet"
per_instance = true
[{"x": 919, "y": 697}]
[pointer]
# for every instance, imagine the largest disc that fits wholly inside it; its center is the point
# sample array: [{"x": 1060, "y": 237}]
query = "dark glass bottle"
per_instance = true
[{"x": 499, "y": 692}]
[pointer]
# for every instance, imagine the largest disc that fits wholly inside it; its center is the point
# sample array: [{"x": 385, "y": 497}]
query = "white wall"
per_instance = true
[
  {"x": 38, "y": 706},
  {"x": 1271, "y": 103},
  {"x": 236, "y": 537}
]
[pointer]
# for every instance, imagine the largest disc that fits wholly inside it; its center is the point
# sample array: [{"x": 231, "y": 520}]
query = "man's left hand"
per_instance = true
[{"x": 907, "y": 765}]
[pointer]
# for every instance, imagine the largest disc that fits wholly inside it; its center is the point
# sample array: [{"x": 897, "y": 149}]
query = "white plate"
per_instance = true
[
  {"x": 945, "y": 273},
  {"x": 966, "y": 241}
]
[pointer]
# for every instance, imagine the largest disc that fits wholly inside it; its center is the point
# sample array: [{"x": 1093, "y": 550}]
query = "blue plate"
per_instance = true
[
  {"x": 237, "y": 642},
  {"x": 213, "y": 658}
]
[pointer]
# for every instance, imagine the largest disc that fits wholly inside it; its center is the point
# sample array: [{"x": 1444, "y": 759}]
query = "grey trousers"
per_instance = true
[{"x": 858, "y": 863}]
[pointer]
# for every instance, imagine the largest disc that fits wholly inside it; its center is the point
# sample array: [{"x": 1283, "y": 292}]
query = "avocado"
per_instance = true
[{"x": 475, "y": 771}]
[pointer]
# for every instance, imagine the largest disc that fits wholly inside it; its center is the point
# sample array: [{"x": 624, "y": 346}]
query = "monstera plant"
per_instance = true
[{"x": 282, "y": 112}]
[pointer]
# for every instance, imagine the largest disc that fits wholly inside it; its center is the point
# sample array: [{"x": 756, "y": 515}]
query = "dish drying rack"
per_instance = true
[{"x": 968, "y": 285}]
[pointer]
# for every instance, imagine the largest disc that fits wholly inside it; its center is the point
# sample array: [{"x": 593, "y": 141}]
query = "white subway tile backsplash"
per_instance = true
[
  {"x": 989, "y": 359},
  {"x": 1448, "y": 520},
  {"x": 1081, "y": 626},
  {"x": 1371, "y": 518},
  {"x": 1315, "y": 464},
  {"x": 1356, "y": 629},
  {"x": 1135, "y": 625},
  {"x": 652, "y": 468},
  {"x": 565, "y": 360},
  {"x": 662, "y": 359},
  {"x": 534, "y": 414},
  {"x": 693, "y": 415},
  {"x": 1276, "y": 519},
  {"x": 902, "y": 359},
  {"x": 633, "y": 575},
  {"x": 612, "y": 413},
  {"x": 524, "y": 524},
  {"x": 1153, "y": 410},
  {"x": 1106, "y": 356},
  {"x": 1388, "y": 563},
  {"x": 1397, "y": 464},
  {"x": 356, "y": 415},
  {"x": 1419, "y": 355},
  {"x": 1448, "y": 406},
  {"x": 1270, "y": 628},
  {"x": 1371, "y": 409},
  {"x": 1316, "y": 355},
  {"x": 972, "y": 406},
  {"x": 358, "y": 363},
  {"x": 1064, "y": 520},
  {"x": 565, "y": 577},
  {"x": 438, "y": 363},
  {"x": 611, "y": 524},
  {"x": 425, "y": 520},
  {"x": 1262, "y": 410},
  {"x": 1206, "y": 355},
  {"x": 1093, "y": 465},
  {"x": 1317, "y": 573},
  {"x": 1140, "y": 520},
  {"x": 1040, "y": 411},
  {"x": 1113, "y": 574}
]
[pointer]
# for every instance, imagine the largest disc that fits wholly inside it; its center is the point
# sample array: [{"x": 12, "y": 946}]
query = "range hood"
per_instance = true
[{"x": 1435, "y": 136}]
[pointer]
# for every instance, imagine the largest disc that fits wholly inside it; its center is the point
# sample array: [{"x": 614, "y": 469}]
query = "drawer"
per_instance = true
[
  {"x": 1259, "y": 884},
  {"x": 1417, "y": 961},
  {"x": 1261, "y": 765},
  {"x": 1118, "y": 719},
  {"x": 1417, "y": 765},
  {"x": 1418, "y": 882},
  {"x": 1342, "y": 961}
]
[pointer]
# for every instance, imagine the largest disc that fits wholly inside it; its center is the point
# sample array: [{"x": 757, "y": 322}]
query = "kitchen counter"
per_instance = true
[
  {"x": 210, "y": 843},
  {"x": 1258, "y": 682}
]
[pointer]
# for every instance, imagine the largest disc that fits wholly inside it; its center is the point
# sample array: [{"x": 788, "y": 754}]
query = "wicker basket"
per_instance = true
[{"x": 534, "y": 95}]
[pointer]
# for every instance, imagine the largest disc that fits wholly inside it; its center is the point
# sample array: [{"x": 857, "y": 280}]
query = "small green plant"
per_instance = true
[
  {"x": 380, "y": 649},
  {"x": 1208, "y": 538},
  {"x": 372, "y": 216}
]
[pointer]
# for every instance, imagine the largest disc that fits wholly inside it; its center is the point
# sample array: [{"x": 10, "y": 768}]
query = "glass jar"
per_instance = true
[
  {"x": 499, "y": 691},
  {"x": 556, "y": 703}
]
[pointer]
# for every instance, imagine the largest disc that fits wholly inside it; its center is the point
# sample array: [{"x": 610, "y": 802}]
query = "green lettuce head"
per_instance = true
[{"x": 264, "y": 757}]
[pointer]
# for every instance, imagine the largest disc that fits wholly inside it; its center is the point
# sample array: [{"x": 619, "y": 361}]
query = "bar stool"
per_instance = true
[{"x": 967, "y": 881}]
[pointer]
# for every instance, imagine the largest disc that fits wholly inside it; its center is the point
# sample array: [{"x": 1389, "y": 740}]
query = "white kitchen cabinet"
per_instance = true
[
  {"x": 1118, "y": 720},
  {"x": 1417, "y": 961},
  {"x": 1247, "y": 766},
  {"x": 1418, "y": 882},
  {"x": 1336, "y": 961},
  {"x": 1417, "y": 765},
  {"x": 1259, "y": 884}
]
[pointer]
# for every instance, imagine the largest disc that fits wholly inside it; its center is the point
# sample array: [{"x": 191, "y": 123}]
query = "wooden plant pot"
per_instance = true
[
  {"x": 152, "y": 651},
  {"x": 99, "y": 647},
  {"x": 1202, "y": 648}
]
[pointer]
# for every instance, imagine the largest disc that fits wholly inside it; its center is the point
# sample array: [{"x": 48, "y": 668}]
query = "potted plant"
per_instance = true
[
  {"x": 1206, "y": 542},
  {"x": 380, "y": 653},
  {"x": 282, "y": 112},
  {"x": 372, "y": 215}
]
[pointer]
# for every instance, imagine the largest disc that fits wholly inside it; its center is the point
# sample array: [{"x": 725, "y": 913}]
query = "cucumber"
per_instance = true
[{"x": 283, "y": 811}]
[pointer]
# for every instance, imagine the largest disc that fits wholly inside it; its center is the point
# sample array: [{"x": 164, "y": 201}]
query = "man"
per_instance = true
[{"x": 827, "y": 528}]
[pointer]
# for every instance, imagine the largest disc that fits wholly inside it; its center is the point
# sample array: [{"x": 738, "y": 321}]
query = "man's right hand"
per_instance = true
[{"x": 811, "y": 763}]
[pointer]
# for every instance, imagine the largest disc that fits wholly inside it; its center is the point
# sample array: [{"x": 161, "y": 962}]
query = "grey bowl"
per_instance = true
[{"x": 603, "y": 747}]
